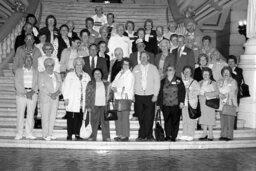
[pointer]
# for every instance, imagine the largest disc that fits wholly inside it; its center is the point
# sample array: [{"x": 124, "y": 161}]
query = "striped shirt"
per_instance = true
[{"x": 28, "y": 77}]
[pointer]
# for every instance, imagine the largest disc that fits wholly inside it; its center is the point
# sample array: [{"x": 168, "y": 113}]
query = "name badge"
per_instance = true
[
  {"x": 173, "y": 83},
  {"x": 184, "y": 53}
]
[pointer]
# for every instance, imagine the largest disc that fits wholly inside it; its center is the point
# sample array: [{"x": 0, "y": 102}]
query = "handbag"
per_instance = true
[
  {"x": 158, "y": 130},
  {"x": 86, "y": 128},
  {"x": 193, "y": 113},
  {"x": 229, "y": 109},
  {"x": 213, "y": 103},
  {"x": 123, "y": 104},
  {"x": 244, "y": 90},
  {"x": 110, "y": 114}
]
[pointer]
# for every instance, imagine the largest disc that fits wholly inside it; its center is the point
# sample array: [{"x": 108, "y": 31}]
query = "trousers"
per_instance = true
[{"x": 74, "y": 122}]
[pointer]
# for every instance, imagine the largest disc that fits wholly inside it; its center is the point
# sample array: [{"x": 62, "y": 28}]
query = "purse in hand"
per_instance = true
[
  {"x": 110, "y": 114},
  {"x": 229, "y": 109},
  {"x": 244, "y": 90},
  {"x": 193, "y": 113},
  {"x": 159, "y": 131},
  {"x": 123, "y": 104},
  {"x": 213, "y": 103}
]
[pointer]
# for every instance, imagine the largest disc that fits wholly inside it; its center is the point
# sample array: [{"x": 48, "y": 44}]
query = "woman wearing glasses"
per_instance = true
[{"x": 171, "y": 100}]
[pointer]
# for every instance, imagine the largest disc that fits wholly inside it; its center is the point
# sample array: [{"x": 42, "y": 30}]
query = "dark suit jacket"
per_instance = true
[
  {"x": 238, "y": 76},
  {"x": 187, "y": 58},
  {"x": 101, "y": 63},
  {"x": 134, "y": 57},
  {"x": 169, "y": 60},
  {"x": 47, "y": 32}
]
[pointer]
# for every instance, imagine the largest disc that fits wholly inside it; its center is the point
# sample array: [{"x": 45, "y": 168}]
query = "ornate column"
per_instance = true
[{"x": 247, "y": 108}]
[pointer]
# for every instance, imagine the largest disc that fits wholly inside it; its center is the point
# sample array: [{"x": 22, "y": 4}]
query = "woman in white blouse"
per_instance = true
[
  {"x": 123, "y": 86},
  {"x": 119, "y": 40},
  {"x": 73, "y": 91},
  {"x": 48, "y": 53}
]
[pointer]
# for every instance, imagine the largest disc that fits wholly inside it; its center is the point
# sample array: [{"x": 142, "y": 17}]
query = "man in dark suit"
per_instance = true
[
  {"x": 237, "y": 74},
  {"x": 135, "y": 56},
  {"x": 94, "y": 61},
  {"x": 183, "y": 56}
]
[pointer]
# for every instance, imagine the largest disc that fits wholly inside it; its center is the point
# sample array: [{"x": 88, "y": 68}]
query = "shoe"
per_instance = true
[
  {"x": 30, "y": 137},
  {"x": 53, "y": 137},
  {"x": 183, "y": 138},
  {"x": 78, "y": 138},
  {"x": 150, "y": 139},
  {"x": 124, "y": 139},
  {"x": 47, "y": 138},
  {"x": 134, "y": 118},
  {"x": 18, "y": 137},
  {"x": 168, "y": 138},
  {"x": 210, "y": 139},
  {"x": 189, "y": 138},
  {"x": 117, "y": 138},
  {"x": 69, "y": 138},
  {"x": 228, "y": 139},
  {"x": 203, "y": 138},
  {"x": 222, "y": 138},
  {"x": 107, "y": 139},
  {"x": 173, "y": 139},
  {"x": 140, "y": 139},
  {"x": 91, "y": 139}
]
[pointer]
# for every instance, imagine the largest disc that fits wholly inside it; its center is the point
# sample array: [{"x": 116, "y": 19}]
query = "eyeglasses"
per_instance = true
[
  {"x": 170, "y": 69},
  {"x": 49, "y": 65}
]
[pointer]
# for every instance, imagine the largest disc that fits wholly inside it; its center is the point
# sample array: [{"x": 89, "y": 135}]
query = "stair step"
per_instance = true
[
  {"x": 11, "y": 121},
  {"x": 132, "y": 145},
  {"x": 62, "y": 133}
]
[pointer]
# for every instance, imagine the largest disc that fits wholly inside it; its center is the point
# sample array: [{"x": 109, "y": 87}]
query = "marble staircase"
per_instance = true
[{"x": 243, "y": 137}]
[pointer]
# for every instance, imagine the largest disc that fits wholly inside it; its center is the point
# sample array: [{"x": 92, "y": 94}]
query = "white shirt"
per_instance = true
[
  {"x": 99, "y": 22},
  {"x": 138, "y": 58},
  {"x": 100, "y": 97},
  {"x": 28, "y": 77},
  {"x": 95, "y": 61},
  {"x": 73, "y": 55},
  {"x": 54, "y": 81},
  {"x": 181, "y": 50},
  {"x": 144, "y": 74}
]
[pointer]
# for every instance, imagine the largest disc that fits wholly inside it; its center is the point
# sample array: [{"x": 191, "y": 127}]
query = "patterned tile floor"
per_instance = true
[{"x": 175, "y": 160}]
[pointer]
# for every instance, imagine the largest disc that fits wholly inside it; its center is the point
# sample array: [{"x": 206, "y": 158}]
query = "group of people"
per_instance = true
[{"x": 108, "y": 61}]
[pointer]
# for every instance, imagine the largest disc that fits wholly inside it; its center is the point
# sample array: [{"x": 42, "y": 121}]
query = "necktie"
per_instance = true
[
  {"x": 179, "y": 52},
  {"x": 92, "y": 63}
]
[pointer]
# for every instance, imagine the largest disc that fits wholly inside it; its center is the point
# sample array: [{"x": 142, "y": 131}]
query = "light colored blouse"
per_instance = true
[{"x": 100, "y": 96}]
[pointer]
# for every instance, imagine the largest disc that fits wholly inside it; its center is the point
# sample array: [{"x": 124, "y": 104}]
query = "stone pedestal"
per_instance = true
[{"x": 247, "y": 108}]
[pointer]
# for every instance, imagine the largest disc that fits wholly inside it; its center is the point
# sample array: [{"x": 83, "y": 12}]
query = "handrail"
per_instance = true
[{"x": 11, "y": 29}]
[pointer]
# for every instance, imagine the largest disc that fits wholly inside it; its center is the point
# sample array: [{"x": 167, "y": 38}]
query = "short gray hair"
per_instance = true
[
  {"x": 49, "y": 61},
  {"x": 78, "y": 59}
]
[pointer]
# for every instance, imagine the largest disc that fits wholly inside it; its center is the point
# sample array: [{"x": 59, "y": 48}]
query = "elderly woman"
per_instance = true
[
  {"x": 84, "y": 46},
  {"x": 62, "y": 41},
  {"x": 208, "y": 90},
  {"x": 129, "y": 32},
  {"x": 103, "y": 35},
  {"x": 202, "y": 62},
  {"x": 150, "y": 36},
  {"x": 173, "y": 42},
  {"x": 89, "y": 24},
  {"x": 74, "y": 100},
  {"x": 216, "y": 64},
  {"x": 228, "y": 95},
  {"x": 123, "y": 87},
  {"x": 111, "y": 25},
  {"x": 49, "y": 83},
  {"x": 71, "y": 27},
  {"x": 95, "y": 103},
  {"x": 192, "y": 92},
  {"x": 50, "y": 30},
  {"x": 48, "y": 53},
  {"x": 163, "y": 59},
  {"x": 171, "y": 99},
  {"x": 119, "y": 40},
  {"x": 172, "y": 26},
  {"x": 42, "y": 40},
  {"x": 116, "y": 64}
]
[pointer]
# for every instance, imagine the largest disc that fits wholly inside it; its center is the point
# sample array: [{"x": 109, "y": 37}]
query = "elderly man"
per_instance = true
[
  {"x": 26, "y": 86},
  {"x": 49, "y": 88},
  {"x": 146, "y": 89},
  {"x": 94, "y": 61},
  {"x": 28, "y": 49},
  {"x": 135, "y": 56},
  {"x": 182, "y": 56}
]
